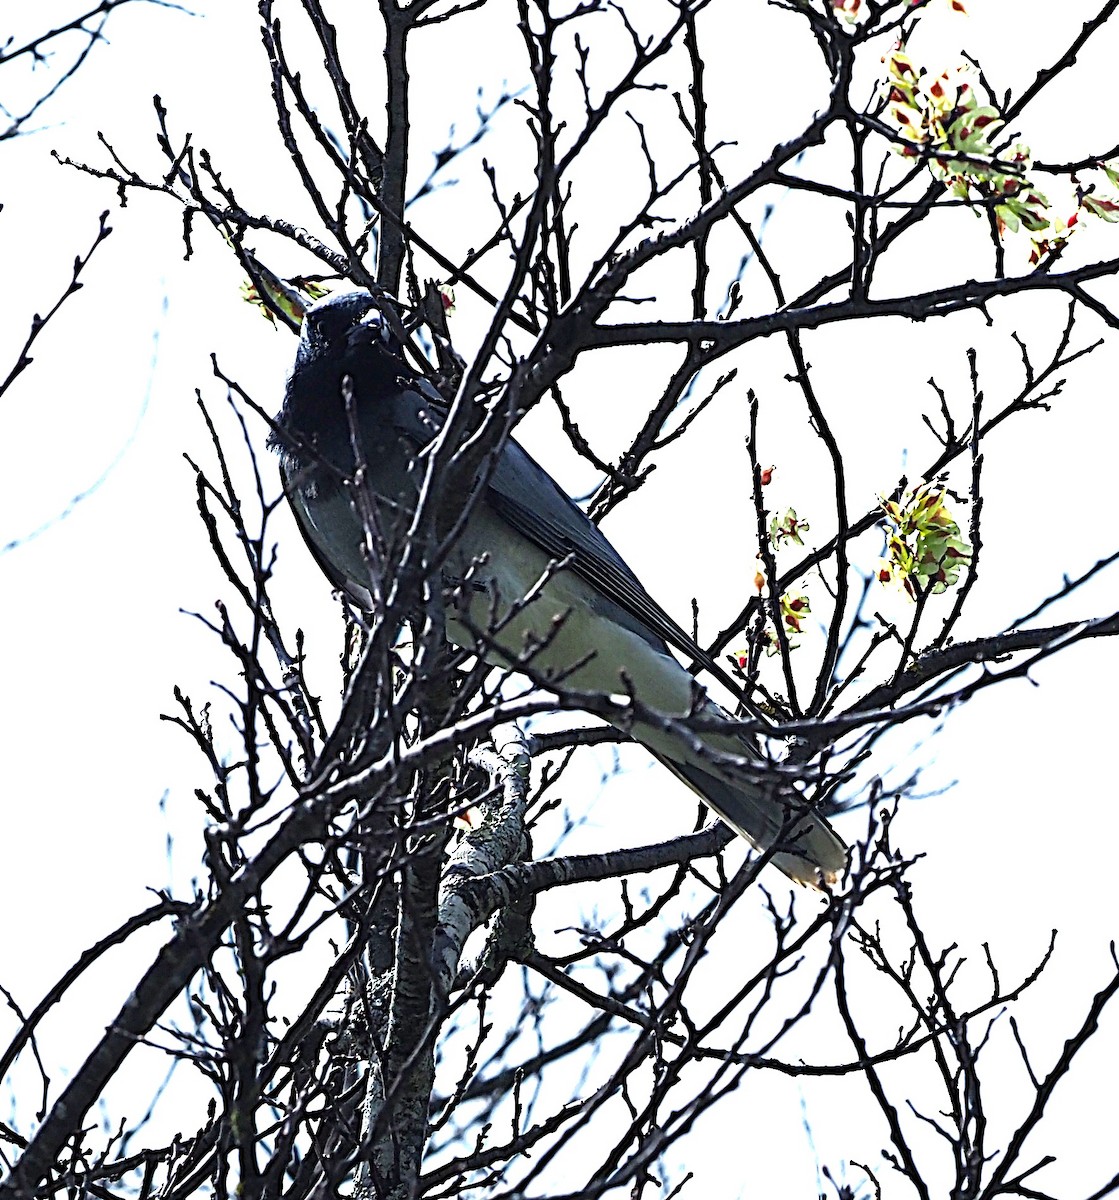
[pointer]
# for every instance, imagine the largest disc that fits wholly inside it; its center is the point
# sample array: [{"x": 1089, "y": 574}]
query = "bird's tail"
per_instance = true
[{"x": 771, "y": 816}]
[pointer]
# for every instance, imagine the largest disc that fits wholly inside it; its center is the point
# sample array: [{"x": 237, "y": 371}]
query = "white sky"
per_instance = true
[{"x": 95, "y": 640}]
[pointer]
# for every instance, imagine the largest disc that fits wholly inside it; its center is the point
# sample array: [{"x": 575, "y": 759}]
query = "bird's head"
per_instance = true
[
  {"x": 341, "y": 322},
  {"x": 346, "y": 335}
]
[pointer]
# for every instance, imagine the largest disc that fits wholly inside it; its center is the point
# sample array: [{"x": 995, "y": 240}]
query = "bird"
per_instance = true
[{"x": 527, "y": 567}]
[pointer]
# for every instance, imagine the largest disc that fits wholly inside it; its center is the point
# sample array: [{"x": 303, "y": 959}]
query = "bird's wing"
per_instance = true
[{"x": 524, "y": 494}]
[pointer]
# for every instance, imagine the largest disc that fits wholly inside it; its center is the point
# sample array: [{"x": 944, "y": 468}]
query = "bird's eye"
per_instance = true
[{"x": 326, "y": 329}]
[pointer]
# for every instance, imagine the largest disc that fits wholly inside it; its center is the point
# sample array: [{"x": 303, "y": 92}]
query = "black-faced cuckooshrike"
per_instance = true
[{"x": 589, "y": 624}]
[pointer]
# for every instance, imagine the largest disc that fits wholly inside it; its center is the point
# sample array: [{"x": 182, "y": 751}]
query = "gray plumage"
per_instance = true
[{"x": 592, "y": 625}]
